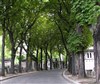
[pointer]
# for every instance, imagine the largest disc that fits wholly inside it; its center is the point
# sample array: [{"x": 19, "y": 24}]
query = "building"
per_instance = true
[{"x": 89, "y": 61}]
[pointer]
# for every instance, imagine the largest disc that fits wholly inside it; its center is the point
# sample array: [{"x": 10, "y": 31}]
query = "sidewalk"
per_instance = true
[
  {"x": 8, "y": 76},
  {"x": 76, "y": 80}
]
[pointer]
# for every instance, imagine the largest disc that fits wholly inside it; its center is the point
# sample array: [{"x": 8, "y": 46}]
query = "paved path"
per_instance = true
[{"x": 42, "y": 77}]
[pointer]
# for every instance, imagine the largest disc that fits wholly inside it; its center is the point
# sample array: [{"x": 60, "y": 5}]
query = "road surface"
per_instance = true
[{"x": 41, "y": 77}]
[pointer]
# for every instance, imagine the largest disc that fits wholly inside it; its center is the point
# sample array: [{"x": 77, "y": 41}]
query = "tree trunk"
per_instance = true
[
  {"x": 95, "y": 56},
  {"x": 60, "y": 60},
  {"x": 70, "y": 64},
  {"x": 66, "y": 60},
  {"x": 51, "y": 59},
  {"x": 46, "y": 55},
  {"x": 12, "y": 60},
  {"x": 82, "y": 73},
  {"x": 13, "y": 51},
  {"x": 3, "y": 53},
  {"x": 37, "y": 66},
  {"x": 27, "y": 63},
  {"x": 73, "y": 64},
  {"x": 20, "y": 59},
  {"x": 97, "y": 49},
  {"x": 98, "y": 61},
  {"x": 63, "y": 39},
  {"x": 41, "y": 58},
  {"x": 30, "y": 62}
]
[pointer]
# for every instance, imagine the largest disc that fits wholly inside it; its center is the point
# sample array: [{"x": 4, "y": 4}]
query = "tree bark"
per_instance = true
[
  {"x": 82, "y": 73},
  {"x": 60, "y": 60},
  {"x": 95, "y": 56},
  {"x": 3, "y": 53},
  {"x": 51, "y": 59},
  {"x": 27, "y": 55},
  {"x": 20, "y": 59},
  {"x": 73, "y": 64},
  {"x": 70, "y": 64},
  {"x": 12, "y": 60},
  {"x": 96, "y": 36},
  {"x": 27, "y": 62},
  {"x": 46, "y": 55},
  {"x": 98, "y": 61},
  {"x": 66, "y": 60},
  {"x": 13, "y": 51},
  {"x": 37, "y": 67},
  {"x": 41, "y": 58},
  {"x": 30, "y": 63}
]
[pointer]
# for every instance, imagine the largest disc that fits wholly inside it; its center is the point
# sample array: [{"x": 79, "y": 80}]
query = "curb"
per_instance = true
[
  {"x": 16, "y": 75},
  {"x": 69, "y": 78}
]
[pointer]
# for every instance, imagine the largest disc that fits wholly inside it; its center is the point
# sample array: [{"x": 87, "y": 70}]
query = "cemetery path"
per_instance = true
[{"x": 41, "y": 77}]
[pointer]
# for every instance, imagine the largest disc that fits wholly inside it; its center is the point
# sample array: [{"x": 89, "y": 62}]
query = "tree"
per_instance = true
[
  {"x": 86, "y": 14},
  {"x": 3, "y": 51},
  {"x": 3, "y": 26},
  {"x": 96, "y": 50}
]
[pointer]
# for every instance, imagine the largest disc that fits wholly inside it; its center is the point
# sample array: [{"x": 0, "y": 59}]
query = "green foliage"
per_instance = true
[
  {"x": 87, "y": 38},
  {"x": 36, "y": 20},
  {"x": 45, "y": 0},
  {"x": 0, "y": 31},
  {"x": 74, "y": 42},
  {"x": 7, "y": 50},
  {"x": 21, "y": 57},
  {"x": 55, "y": 55},
  {"x": 78, "y": 42},
  {"x": 8, "y": 45},
  {"x": 86, "y": 12}
]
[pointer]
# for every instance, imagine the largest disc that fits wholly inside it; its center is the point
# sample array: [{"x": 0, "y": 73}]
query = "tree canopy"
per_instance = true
[{"x": 52, "y": 25}]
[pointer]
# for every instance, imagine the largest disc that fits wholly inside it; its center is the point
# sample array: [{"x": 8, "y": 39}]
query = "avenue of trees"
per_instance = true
[{"x": 43, "y": 27}]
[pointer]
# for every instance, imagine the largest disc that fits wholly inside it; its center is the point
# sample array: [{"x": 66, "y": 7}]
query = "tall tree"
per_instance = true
[{"x": 3, "y": 51}]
